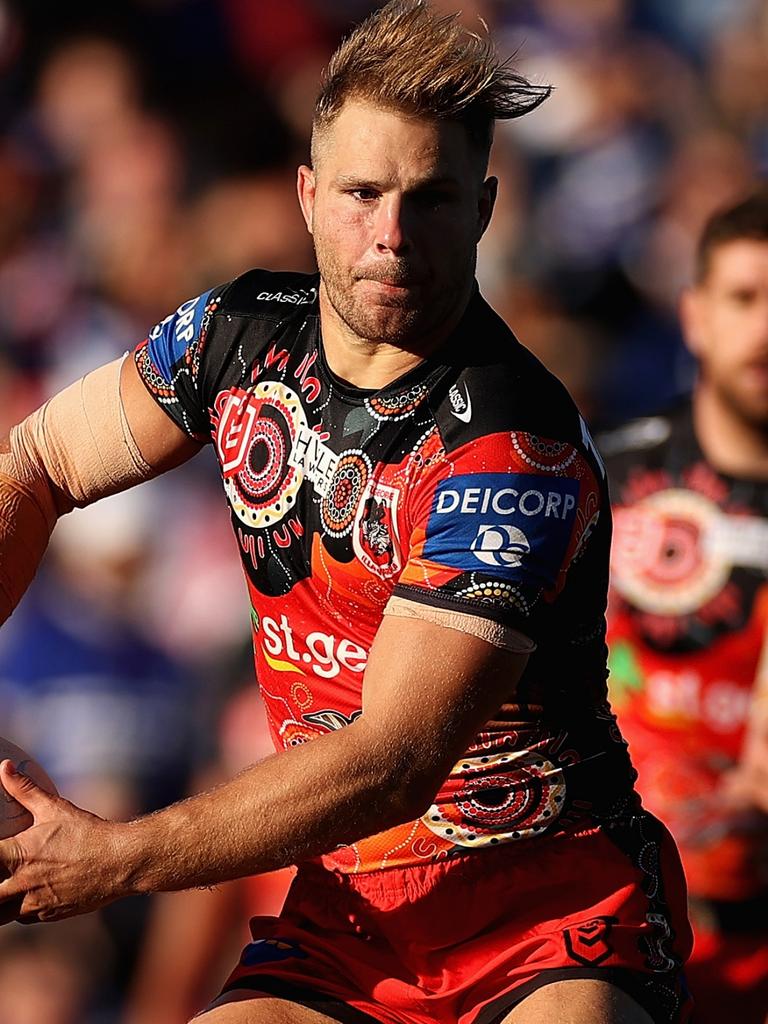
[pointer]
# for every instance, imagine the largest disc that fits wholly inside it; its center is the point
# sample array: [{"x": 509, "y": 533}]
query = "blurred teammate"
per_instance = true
[
  {"x": 689, "y": 623},
  {"x": 424, "y": 529}
]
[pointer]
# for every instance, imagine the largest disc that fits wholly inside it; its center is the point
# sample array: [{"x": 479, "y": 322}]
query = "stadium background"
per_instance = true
[{"x": 148, "y": 151}]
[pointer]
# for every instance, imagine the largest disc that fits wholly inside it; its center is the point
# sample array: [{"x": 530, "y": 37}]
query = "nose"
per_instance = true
[{"x": 391, "y": 229}]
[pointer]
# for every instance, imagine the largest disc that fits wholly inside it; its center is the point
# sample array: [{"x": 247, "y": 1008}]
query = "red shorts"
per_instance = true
[{"x": 462, "y": 940}]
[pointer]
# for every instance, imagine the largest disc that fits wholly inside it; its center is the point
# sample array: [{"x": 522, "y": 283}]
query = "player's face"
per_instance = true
[
  {"x": 726, "y": 323},
  {"x": 396, "y": 206}
]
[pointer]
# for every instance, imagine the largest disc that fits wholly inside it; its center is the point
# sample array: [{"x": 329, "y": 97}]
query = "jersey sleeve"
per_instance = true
[
  {"x": 495, "y": 527},
  {"x": 168, "y": 361}
]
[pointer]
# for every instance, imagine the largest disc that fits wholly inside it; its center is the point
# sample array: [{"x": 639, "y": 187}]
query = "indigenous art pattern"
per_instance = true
[{"x": 451, "y": 488}]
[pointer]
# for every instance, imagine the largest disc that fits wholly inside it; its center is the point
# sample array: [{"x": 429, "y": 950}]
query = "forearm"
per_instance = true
[{"x": 293, "y": 805}]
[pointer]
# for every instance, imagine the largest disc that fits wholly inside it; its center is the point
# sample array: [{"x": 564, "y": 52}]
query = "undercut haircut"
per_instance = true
[
  {"x": 408, "y": 58},
  {"x": 747, "y": 220}
]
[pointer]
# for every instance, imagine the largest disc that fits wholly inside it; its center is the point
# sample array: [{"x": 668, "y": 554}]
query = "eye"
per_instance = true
[
  {"x": 364, "y": 195},
  {"x": 743, "y": 296}
]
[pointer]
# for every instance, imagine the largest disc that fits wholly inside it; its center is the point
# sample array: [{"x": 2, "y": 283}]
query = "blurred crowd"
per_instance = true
[{"x": 147, "y": 152}]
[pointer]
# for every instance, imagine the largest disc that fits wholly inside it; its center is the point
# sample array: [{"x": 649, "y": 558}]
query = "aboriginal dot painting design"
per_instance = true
[
  {"x": 152, "y": 377},
  {"x": 497, "y": 798},
  {"x": 542, "y": 454},
  {"x": 496, "y": 593},
  {"x": 396, "y": 407},
  {"x": 256, "y": 433},
  {"x": 343, "y": 498}
]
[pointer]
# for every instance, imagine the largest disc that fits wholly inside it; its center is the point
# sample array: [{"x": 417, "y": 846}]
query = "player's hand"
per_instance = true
[{"x": 67, "y": 862}]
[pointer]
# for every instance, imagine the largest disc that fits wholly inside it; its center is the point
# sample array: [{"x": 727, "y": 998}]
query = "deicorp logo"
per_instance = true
[
  {"x": 514, "y": 524},
  {"x": 500, "y": 545}
]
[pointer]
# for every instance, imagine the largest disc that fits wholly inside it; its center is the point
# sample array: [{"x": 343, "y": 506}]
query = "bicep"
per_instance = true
[
  {"x": 428, "y": 689},
  {"x": 162, "y": 444}
]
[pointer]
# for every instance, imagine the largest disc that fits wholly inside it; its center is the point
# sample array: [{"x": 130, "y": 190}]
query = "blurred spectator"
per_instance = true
[
  {"x": 102, "y": 706},
  {"x": 107, "y": 712},
  {"x": 688, "y": 614},
  {"x": 48, "y": 974}
]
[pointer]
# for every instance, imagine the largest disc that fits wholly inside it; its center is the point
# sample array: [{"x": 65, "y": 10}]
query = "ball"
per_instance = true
[{"x": 13, "y": 817}]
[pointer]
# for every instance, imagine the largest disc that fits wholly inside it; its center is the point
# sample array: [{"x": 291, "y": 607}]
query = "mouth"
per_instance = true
[{"x": 397, "y": 289}]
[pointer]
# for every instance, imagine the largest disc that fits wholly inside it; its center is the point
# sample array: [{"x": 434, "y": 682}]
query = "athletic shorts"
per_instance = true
[{"x": 463, "y": 940}]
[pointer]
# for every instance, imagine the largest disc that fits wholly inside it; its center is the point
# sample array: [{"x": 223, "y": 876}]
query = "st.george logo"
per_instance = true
[{"x": 497, "y": 544}]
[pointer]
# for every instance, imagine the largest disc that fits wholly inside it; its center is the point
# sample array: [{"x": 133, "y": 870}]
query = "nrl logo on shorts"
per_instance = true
[
  {"x": 587, "y": 943},
  {"x": 375, "y": 537}
]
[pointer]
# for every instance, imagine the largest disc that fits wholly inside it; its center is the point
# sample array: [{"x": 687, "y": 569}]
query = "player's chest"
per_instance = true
[
  {"x": 316, "y": 479},
  {"x": 690, "y": 551}
]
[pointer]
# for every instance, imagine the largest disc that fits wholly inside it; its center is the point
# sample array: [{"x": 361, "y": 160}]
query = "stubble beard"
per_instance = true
[
  {"x": 396, "y": 321},
  {"x": 751, "y": 410}
]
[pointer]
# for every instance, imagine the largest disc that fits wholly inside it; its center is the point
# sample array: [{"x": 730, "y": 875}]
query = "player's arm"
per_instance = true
[
  {"x": 99, "y": 436},
  {"x": 427, "y": 691}
]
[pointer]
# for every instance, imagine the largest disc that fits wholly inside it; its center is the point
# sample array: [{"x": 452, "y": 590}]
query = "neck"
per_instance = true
[
  {"x": 731, "y": 444},
  {"x": 371, "y": 363}
]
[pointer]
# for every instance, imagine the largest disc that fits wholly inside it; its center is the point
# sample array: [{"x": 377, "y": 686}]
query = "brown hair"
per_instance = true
[
  {"x": 748, "y": 219},
  {"x": 407, "y": 57}
]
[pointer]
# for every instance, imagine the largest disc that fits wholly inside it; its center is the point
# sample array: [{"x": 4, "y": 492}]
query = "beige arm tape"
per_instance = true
[
  {"x": 75, "y": 449},
  {"x": 500, "y": 636}
]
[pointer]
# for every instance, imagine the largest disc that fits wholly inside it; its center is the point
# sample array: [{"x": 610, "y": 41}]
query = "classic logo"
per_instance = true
[
  {"x": 297, "y": 298},
  {"x": 506, "y": 521},
  {"x": 461, "y": 404},
  {"x": 587, "y": 943},
  {"x": 375, "y": 536}
]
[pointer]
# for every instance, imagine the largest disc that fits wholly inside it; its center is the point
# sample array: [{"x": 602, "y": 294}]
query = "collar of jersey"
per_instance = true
[{"x": 425, "y": 373}]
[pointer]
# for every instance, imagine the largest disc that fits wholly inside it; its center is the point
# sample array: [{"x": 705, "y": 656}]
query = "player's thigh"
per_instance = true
[
  {"x": 242, "y": 1007},
  {"x": 581, "y": 1001}
]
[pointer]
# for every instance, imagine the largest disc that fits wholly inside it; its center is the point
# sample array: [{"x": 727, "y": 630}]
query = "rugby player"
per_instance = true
[
  {"x": 424, "y": 528},
  {"x": 689, "y": 662}
]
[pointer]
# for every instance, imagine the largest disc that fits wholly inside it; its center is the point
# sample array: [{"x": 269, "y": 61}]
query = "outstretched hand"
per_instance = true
[{"x": 67, "y": 862}]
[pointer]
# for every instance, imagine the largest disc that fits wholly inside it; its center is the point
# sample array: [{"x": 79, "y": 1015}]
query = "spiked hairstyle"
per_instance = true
[{"x": 409, "y": 58}]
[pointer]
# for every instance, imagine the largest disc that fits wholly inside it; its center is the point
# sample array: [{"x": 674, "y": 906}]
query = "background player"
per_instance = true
[
  {"x": 690, "y": 612},
  {"x": 412, "y": 481}
]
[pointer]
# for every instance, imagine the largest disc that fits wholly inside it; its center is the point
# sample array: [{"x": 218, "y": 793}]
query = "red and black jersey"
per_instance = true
[
  {"x": 688, "y": 620},
  {"x": 470, "y": 483}
]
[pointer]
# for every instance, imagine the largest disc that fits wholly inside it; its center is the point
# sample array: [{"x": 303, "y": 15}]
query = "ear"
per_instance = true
[
  {"x": 305, "y": 187},
  {"x": 488, "y": 193},
  {"x": 692, "y": 317}
]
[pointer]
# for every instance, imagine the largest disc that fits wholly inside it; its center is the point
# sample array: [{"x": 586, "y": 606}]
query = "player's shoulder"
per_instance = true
[
  {"x": 495, "y": 385},
  {"x": 270, "y": 295},
  {"x": 646, "y": 440}
]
